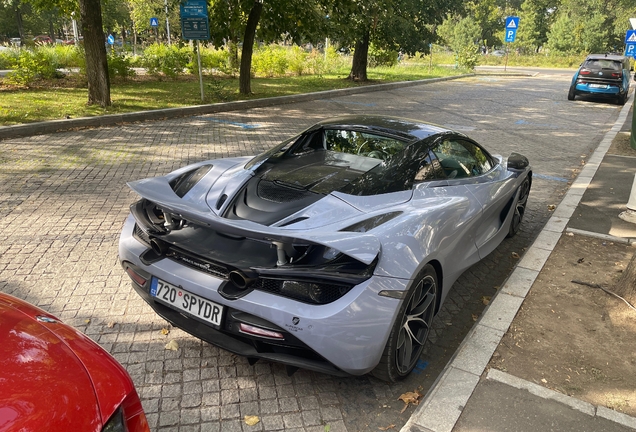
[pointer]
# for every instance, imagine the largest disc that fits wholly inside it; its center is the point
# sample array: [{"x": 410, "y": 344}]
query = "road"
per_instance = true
[{"x": 63, "y": 199}]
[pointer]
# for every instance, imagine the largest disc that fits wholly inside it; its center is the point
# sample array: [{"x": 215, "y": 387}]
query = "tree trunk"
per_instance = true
[
  {"x": 95, "y": 48},
  {"x": 626, "y": 286},
  {"x": 51, "y": 31},
  {"x": 360, "y": 55},
  {"x": 233, "y": 58},
  {"x": 18, "y": 18},
  {"x": 248, "y": 47}
]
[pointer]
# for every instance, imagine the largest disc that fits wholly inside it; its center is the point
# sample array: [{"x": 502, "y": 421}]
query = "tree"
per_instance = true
[
  {"x": 405, "y": 25},
  {"x": 230, "y": 21},
  {"x": 626, "y": 286},
  {"x": 95, "y": 48},
  {"x": 248, "y": 47}
]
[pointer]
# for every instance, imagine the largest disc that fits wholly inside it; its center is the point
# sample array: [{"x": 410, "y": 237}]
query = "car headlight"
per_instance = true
[{"x": 116, "y": 422}]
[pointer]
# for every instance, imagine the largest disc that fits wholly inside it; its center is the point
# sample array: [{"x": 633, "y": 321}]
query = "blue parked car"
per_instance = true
[{"x": 604, "y": 75}]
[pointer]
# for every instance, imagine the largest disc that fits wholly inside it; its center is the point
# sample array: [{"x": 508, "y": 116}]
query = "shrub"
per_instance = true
[
  {"x": 270, "y": 61},
  {"x": 297, "y": 60},
  {"x": 381, "y": 57},
  {"x": 168, "y": 60},
  {"x": 217, "y": 59},
  {"x": 9, "y": 58},
  {"x": 32, "y": 66},
  {"x": 119, "y": 65}
]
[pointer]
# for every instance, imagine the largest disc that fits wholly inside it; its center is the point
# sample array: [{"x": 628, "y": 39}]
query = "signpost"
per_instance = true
[
  {"x": 154, "y": 23},
  {"x": 630, "y": 43},
  {"x": 512, "y": 24},
  {"x": 194, "y": 26}
]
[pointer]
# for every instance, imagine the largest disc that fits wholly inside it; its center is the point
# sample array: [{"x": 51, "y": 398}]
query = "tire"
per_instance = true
[
  {"x": 571, "y": 93},
  {"x": 622, "y": 99},
  {"x": 411, "y": 328},
  {"x": 520, "y": 207}
]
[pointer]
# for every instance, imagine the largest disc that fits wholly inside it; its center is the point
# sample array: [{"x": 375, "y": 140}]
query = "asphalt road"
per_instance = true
[{"x": 63, "y": 200}]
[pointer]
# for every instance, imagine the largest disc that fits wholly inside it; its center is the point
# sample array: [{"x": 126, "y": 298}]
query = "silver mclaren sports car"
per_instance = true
[{"x": 332, "y": 251}]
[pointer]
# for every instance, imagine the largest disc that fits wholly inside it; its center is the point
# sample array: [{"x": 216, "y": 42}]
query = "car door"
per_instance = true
[{"x": 467, "y": 163}]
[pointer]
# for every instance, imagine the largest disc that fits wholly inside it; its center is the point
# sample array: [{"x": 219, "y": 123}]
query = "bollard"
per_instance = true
[{"x": 629, "y": 215}]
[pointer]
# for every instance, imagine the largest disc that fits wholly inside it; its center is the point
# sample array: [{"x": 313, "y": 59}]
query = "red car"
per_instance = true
[{"x": 54, "y": 378}]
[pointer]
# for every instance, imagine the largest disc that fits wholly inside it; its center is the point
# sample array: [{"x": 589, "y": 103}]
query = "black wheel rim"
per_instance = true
[
  {"x": 416, "y": 324},
  {"x": 520, "y": 209}
]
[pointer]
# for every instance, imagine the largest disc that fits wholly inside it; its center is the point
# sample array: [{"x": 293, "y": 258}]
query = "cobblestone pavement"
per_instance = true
[{"x": 63, "y": 199}]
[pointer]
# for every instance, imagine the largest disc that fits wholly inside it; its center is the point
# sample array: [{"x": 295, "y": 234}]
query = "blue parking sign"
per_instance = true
[{"x": 512, "y": 24}]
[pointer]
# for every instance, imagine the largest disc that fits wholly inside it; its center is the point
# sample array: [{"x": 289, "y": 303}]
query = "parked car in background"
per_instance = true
[
  {"x": 332, "y": 251},
  {"x": 16, "y": 41},
  {"x": 54, "y": 378},
  {"x": 603, "y": 75},
  {"x": 43, "y": 39}
]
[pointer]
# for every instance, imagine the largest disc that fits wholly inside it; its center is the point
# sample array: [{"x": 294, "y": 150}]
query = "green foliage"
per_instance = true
[
  {"x": 468, "y": 56},
  {"x": 270, "y": 61},
  {"x": 169, "y": 60},
  {"x": 216, "y": 59},
  {"x": 462, "y": 35},
  {"x": 381, "y": 57},
  {"x": 32, "y": 66},
  {"x": 297, "y": 60},
  {"x": 9, "y": 58},
  {"x": 119, "y": 65}
]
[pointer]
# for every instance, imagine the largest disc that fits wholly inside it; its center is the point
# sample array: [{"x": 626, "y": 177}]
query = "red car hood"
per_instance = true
[{"x": 52, "y": 377}]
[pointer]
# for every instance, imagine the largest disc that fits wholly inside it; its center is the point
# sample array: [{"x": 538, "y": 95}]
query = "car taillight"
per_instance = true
[
  {"x": 617, "y": 74},
  {"x": 136, "y": 277},
  {"x": 584, "y": 72}
]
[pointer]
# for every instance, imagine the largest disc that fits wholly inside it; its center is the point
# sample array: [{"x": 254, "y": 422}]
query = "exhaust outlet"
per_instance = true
[
  {"x": 159, "y": 247},
  {"x": 241, "y": 280}
]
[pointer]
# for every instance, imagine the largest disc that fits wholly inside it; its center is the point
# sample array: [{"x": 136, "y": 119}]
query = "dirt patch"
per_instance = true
[
  {"x": 621, "y": 145},
  {"x": 573, "y": 338}
]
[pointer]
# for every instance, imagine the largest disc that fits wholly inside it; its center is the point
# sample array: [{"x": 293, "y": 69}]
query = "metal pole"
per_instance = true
[
  {"x": 200, "y": 72},
  {"x": 167, "y": 22},
  {"x": 506, "y": 62}
]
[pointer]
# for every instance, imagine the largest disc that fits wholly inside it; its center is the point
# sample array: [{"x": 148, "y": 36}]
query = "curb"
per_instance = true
[
  {"x": 445, "y": 401},
  {"x": 38, "y": 128}
]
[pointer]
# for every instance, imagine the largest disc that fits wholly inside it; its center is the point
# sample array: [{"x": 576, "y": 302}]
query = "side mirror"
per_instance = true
[{"x": 517, "y": 162}]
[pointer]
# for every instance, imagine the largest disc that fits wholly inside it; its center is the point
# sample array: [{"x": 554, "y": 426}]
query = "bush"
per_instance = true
[
  {"x": 170, "y": 61},
  {"x": 9, "y": 58},
  {"x": 381, "y": 57},
  {"x": 270, "y": 61},
  {"x": 32, "y": 66},
  {"x": 119, "y": 65},
  {"x": 218, "y": 59},
  {"x": 297, "y": 60}
]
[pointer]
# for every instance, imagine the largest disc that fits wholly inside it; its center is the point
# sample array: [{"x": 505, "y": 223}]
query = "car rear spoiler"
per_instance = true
[{"x": 363, "y": 247}]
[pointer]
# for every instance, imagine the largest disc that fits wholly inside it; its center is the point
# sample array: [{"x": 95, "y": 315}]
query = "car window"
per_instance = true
[
  {"x": 362, "y": 143},
  {"x": 460, "y": 158},
  {"x": 603, "y": 64}
]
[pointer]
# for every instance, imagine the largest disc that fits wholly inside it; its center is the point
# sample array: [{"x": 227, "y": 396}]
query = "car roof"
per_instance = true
[
  {"x": 606, "y": 56},
  {"x": 407, "y": 128}
]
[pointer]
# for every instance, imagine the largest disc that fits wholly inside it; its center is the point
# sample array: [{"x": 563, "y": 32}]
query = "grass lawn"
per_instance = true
[{"x": 66, "y": 98}]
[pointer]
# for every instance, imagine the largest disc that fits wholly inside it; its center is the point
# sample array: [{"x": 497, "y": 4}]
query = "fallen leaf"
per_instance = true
[
  {"x": 410, "y": 398},
  {"x": 165, "y": 331},
  {"x": 111, "y": 324},
  {"x": 327, "y": 428},
  {"x": 569, "y": 234},
  {"x": 551, "y": 207},
  {"x": 515, "y": 255},
  {"x": 475, "y": 316},
  {"x": 251, "y": 420},
  {"x": 391, "y": 426},
  {"x": 87, "y": 321},
  {"x": 580, "y": 260},
  {"x": 172, "y": 345},
  {"x": 544, "y": 381},
  {"x": 485, "y": 300}
]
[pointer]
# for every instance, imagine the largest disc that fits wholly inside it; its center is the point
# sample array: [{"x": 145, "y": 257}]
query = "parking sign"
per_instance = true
[{"x": 512, "y": 24}]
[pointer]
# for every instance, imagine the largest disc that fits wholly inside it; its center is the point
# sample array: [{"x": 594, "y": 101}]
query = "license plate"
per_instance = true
[
  {"x": 185, "y": 301},
  {"x": 598, "y": 86}
]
